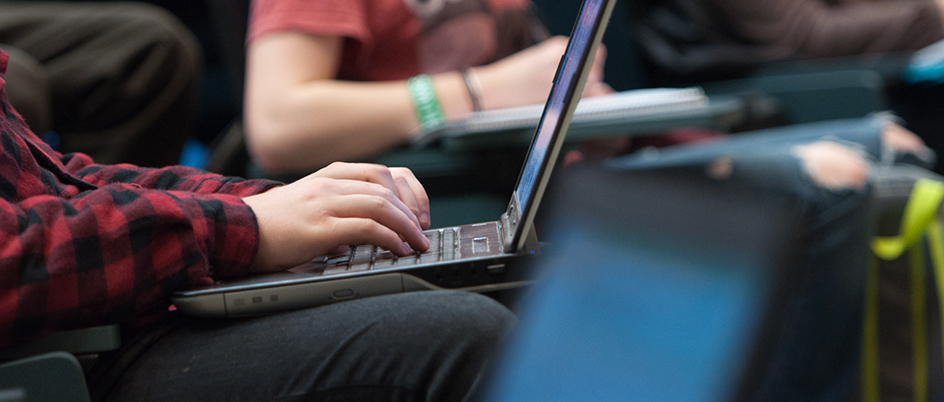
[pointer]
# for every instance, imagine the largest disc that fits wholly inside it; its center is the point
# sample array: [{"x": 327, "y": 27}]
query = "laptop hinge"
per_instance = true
[{"x": 508, "y": 224}]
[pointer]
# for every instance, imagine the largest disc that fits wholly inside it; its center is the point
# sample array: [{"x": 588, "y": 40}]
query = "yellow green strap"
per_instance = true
[
  {"x": 920, "y": 211},
  {"x": 919, "y": 218},
  {"x": 936, "y": 247}
]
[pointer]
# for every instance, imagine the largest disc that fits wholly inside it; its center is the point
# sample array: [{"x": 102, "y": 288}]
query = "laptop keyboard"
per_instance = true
[{"x": 443, "y": 246}]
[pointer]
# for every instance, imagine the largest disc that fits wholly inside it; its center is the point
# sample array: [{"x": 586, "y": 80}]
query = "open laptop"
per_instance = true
[
  {"x": 683, "y": 292},
  {"x": 479, "y": 257}
]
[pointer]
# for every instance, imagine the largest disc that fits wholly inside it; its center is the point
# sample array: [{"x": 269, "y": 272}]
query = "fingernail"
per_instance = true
[
  {"x": 405, "y": 249},
  {"x": 426, "y": 241},
  {"x": 424, "y": 219}
]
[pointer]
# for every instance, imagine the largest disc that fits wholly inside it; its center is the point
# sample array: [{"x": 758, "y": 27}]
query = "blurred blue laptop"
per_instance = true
[{"x": 660, "y": 290}]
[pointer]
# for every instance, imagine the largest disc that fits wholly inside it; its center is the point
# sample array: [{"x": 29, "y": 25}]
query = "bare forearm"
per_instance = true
[
  {"x": 299, "y": 117},
  {"x": 327, "y": 120}
]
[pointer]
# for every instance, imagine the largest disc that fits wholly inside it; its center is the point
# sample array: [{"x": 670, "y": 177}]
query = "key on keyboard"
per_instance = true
[
  {"x": 362, "y": 257},
  {"x": 434, "y": 252},
  {"x": 442, "y": 247}
]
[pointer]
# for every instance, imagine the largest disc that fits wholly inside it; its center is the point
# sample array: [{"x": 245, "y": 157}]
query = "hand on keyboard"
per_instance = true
[{"x": 341, "y": 204}]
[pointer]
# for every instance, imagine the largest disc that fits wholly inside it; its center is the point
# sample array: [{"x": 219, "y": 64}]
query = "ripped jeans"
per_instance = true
[{"x": 815, "y": 354}]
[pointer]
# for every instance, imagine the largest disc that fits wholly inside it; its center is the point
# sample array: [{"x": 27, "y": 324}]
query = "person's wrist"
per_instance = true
[
  {"x": 486, "y": 78},
  {"x": 499, "y": 88},
  {"x": 260, "y": 257},
  {"x": 474, "y": 86}
]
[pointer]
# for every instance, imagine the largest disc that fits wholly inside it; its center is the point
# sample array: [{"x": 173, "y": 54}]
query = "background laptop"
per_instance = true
[
  {"x": 479, "y": 257},
  {"x": 678, "y": 292}
]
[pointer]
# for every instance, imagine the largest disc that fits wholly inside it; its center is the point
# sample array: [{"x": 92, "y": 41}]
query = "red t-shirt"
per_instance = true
[{"x": 397, "y": 39}]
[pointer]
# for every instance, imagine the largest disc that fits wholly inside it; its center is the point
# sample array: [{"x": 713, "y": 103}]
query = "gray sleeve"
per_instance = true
[{"x": 814, "y": 28}]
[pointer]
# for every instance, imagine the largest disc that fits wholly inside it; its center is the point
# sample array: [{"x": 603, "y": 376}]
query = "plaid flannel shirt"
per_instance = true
[{"x": 83, "y": 244}]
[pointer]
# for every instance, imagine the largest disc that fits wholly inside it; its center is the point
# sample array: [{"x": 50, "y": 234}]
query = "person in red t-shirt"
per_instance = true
[{"x": 328, "y": 80}]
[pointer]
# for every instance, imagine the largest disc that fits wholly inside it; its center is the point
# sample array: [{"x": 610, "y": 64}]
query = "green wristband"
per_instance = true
[{"x": 425, "y": 102}]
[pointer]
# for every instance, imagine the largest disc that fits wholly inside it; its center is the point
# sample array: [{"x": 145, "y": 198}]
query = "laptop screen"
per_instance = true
[
  {"x": 560, "y": 106},
  {"x": 662, "y": 296}
]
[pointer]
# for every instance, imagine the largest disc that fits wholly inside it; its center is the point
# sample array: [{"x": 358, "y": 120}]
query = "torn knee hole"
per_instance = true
[{"x": 832, "y": 165}]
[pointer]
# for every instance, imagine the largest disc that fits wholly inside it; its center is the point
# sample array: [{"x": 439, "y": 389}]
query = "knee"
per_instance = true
[
  {"x": 833, "y": 166},
  {"x": 469, "y": 323},
  {"x": 456, "y": 318},
  {"x": 164, "y": 34},
  {"x": 28, "y": 89},
  {"x": 464, "y": 314}
]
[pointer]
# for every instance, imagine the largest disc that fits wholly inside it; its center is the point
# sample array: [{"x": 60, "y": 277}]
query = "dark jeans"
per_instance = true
[
  {"x": 422, "y": 346},
  {"x": 117, "y": 81},
  {"x": 815, "y": 353}
]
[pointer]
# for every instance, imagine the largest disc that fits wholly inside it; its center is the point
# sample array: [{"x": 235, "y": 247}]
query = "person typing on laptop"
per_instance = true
[{"x": 86, "y": 244}]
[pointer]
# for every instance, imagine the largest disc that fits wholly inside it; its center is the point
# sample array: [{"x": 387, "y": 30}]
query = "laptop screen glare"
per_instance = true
[{"x": 550, "y": 120}]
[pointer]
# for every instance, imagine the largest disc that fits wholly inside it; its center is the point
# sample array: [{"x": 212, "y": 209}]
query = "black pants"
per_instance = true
[
  {"x": 117, "y": 81},
  {"x": 422, "y": 346}
]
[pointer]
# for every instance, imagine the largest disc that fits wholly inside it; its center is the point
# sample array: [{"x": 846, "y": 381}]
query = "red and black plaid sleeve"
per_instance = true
[
  {"x": 84, "y": 244},
  {"x": 113, "y": 255},
  {"x": 180, "y": 178}
]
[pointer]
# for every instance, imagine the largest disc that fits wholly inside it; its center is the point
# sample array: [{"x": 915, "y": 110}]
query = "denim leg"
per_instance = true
[
  {"x": 817, "y": 353},
  {"x": 814, "y": 356}
]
